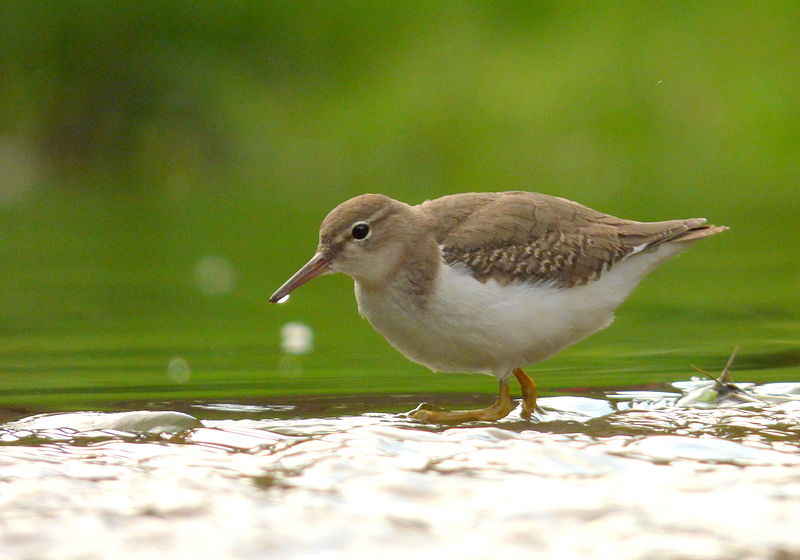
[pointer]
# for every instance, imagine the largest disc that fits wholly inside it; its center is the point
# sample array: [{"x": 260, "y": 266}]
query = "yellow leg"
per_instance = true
[
  {"x": 529, "y": 392},
  {"x": 500, "y": 409}
]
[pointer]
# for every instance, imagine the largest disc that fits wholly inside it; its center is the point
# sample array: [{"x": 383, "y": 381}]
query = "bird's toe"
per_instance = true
[{"x": 425, "y": 412}]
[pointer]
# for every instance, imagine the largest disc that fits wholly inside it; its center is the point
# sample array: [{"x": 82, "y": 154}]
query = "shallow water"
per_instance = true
[
  {"x": 615, "y": 474},
  {"x": 272, "y": 449}
]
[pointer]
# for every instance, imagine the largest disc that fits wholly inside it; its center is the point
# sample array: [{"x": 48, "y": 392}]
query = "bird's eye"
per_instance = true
[{"x": 360, "y": 230}]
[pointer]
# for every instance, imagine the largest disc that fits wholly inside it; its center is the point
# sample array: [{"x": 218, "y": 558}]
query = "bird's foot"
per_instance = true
[
  {"x": 528, "y": 409},
  {"x": 529, "y": 393},
  {"x": 432, "y": 414}
]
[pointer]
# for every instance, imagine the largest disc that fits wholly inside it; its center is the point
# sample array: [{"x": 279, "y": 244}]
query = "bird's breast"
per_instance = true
[{"x": 463, "y": 325}]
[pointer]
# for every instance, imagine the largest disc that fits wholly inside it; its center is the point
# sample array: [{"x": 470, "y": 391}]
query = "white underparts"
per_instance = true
[{"x": 469, "y": 326}]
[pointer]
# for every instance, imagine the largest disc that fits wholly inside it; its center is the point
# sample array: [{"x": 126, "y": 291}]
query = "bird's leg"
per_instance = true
[
  {"x": 529, "y": 392},
  {"x": 435, "y": 415}
]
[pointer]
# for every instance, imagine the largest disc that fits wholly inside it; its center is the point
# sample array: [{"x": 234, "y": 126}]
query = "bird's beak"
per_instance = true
[{"x": 317, "y": 266}]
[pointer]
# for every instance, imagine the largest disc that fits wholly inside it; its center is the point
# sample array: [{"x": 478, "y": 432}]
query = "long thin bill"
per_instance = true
[{"x": 317, "y": 266}]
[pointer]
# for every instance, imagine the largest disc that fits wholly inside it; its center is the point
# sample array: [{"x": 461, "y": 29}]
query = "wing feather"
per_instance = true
[{"x": 537, "y": 238}]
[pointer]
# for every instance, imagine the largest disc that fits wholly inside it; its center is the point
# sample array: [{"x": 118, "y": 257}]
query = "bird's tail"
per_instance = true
[
  {"x": 643, "y": 236},
  {"x": 697, "y": 229}
]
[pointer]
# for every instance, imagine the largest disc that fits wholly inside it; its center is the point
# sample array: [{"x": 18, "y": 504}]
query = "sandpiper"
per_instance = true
[{"x": 488, "y": 282}]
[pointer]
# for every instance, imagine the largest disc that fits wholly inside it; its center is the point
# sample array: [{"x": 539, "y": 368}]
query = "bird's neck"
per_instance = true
[{"x": 413, "y": 274}]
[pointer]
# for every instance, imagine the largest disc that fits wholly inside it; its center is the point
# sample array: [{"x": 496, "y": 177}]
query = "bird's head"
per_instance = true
[{"x": 364, "y": 237}]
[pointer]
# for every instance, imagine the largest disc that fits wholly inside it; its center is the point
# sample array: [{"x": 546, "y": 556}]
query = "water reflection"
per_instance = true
[{"x": 626, "y": 475}]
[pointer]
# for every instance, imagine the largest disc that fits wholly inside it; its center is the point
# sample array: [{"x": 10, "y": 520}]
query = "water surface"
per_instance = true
[
  {"x": 114, "y": 304},
  {"x": 618, "y": 474}
]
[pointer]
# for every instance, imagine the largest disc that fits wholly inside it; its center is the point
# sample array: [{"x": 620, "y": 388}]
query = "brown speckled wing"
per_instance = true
[{"x": 536, "y": 238}]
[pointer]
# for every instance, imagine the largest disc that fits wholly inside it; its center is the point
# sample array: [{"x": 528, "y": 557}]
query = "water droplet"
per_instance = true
[
  {"x": 297, "y": 338},
  {"x": 179, "y": 370},
  {"x": 284, "y": 299},
  {"x": 214, "y": 275}
]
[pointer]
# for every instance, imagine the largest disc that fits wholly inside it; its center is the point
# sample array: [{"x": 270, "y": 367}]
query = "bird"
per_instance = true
[{"x": 488, "y": 282}]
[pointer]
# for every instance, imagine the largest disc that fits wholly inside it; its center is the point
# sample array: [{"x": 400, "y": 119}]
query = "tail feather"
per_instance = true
[
  {"x": 700, "y": 232},
  {"x": 644, "y": 236}
]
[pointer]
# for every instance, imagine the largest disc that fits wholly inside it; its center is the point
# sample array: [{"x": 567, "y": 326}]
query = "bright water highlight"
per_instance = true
[{"x": 615, "y": 475}]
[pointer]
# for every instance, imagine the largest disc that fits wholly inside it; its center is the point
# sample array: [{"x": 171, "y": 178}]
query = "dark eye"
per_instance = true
[{"x": 360, "y": 230}]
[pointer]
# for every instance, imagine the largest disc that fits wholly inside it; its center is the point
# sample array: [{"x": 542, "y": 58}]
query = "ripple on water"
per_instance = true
[{"x": 629, "y": 476}]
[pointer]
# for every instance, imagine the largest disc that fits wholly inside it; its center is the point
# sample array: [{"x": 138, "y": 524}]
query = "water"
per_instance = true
[
  {"x": 156, "y": 190},
  {"x": 613, "y": 475},
  {"x": 200, "y": 422}
]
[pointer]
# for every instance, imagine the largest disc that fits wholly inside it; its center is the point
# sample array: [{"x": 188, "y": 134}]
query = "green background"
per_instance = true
[{"x": 138, "y": 138}]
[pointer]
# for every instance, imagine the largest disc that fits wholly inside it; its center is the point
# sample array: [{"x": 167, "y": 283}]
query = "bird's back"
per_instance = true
[{"x": 536, "y": 238}]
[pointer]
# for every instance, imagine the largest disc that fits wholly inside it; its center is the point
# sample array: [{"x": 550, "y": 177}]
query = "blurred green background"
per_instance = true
[{"x": 164, "y": 166}]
